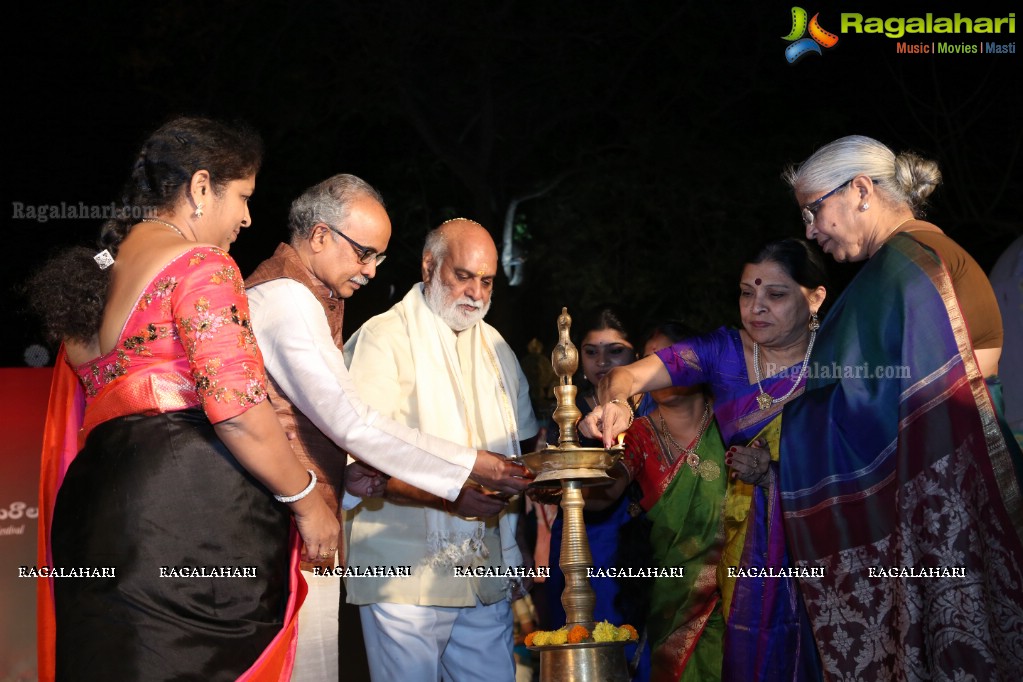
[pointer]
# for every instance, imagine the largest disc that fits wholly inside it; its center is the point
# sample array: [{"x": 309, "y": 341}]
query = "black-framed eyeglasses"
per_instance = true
[
  {"x": 810, "y": 210},
  {"x": 364, "y": 253}
]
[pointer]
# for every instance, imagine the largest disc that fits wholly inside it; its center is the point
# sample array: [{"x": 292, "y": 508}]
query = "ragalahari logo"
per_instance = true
[{"x": 802, "y": 46}]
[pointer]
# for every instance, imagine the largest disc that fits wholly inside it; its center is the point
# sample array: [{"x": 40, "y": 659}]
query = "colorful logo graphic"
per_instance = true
[{"x": 801, "y": 46}]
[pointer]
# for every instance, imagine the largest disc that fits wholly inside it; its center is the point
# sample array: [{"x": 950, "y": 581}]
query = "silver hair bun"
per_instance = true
[{"x": 916, "y": 176}]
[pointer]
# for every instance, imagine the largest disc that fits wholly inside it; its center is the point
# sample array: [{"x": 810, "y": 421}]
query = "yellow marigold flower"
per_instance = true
[
  {"x": 559, "y": 636},
  {"x": 604, "y": 632},
  {"x": 627, "y": 633},
  {"x": 577, "y": 634},
  {"x": 541, "y": 638}
]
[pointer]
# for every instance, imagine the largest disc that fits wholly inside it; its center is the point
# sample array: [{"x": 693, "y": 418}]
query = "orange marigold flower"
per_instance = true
[
  {"x": 578, "y": 634},
  {"x": 528, "y": 641},
  {"x": 631, "y": 630}
]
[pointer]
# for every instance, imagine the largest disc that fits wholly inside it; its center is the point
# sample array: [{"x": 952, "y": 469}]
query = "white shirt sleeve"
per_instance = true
[
  {"x": 349, "y": 501},
  {"x": 300, "y": 355}
]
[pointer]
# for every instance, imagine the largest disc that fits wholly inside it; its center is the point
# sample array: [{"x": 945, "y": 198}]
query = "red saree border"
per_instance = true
[
  {"x": 64, "y": 417},
  {"x": 64, "y": 414}
]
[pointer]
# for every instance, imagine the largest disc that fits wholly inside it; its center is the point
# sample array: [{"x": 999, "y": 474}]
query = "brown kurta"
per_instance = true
[{"x": 315, "y": 450}]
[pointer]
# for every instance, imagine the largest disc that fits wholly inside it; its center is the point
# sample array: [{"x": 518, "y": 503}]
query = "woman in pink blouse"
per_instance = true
[{"x": 181, "y": 457}]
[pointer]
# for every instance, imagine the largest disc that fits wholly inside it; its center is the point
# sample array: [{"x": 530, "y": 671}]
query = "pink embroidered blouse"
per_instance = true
[{"x": 187, "y": 343}]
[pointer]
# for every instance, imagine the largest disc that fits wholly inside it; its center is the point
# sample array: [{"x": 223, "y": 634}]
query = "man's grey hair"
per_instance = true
[
  {"x": 328, "y": 202},
  {"x": 436, "y": 245},
  {"x": 437, "y": 240}
]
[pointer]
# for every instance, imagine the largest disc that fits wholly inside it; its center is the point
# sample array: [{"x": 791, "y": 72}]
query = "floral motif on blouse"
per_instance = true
[
  {"x": 199, "y": 334},
  {"x": 97, "y": 374},
  {"x": 246, "y": 339},
  {"x": 161, "y": 290},
  {"x": 151, "y": 332},
  {"x": 229, "y": 273},
  {"x": 255, "y": 388},
  {"x": 207, "y": 382}
]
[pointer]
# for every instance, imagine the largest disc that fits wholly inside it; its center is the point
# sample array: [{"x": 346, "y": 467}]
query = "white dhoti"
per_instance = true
[
  {"x": 429, "y": 643},
  {"x": 316, "y": 658}
]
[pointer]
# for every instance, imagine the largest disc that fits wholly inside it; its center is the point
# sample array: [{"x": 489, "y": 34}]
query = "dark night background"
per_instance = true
[{"x": 639, "y": 144}]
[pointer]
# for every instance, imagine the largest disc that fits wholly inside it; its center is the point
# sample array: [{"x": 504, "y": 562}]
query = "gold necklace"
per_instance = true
[
  {"x": 170, "y": 225},
  {"x": 764, "y": 399},
  {"x": 692, "y": 459}
]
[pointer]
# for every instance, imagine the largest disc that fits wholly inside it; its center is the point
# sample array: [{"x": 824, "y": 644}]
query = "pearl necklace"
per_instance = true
[
  {"x": 692, "y": 459},
  {"x": 764, "y": 400},
  {"x": 170, "y": 225}
]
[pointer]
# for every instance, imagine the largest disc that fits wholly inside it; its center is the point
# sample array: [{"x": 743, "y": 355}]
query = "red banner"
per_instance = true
[{"x": 22, "y": 414}]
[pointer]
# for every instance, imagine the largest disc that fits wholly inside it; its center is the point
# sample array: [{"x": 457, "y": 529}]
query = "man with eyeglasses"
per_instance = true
[{"x": 339, "y": 233}]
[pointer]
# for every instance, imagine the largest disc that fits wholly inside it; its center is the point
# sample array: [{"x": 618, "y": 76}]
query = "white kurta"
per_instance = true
[
  {"x": 466, "y": 386},
  {"x": 300, "y": 355}
]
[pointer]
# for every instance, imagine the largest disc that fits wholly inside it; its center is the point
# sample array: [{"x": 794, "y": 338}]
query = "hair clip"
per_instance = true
[{"x": 103, "y": 259}]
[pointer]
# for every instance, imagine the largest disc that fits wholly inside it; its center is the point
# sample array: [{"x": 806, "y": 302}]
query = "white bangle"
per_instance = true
[{"x": 287, "y": 499}]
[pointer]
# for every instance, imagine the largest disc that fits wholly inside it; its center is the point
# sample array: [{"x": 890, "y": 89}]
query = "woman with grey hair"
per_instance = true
[{"x": 894, "y": 464}]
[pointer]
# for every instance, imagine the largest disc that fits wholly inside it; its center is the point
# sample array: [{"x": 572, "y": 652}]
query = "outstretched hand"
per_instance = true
[
  {"x": 545, "y": 495},
  {"x": 499, "y": 473},
  {"x": 473, "y": 502},
  {"x": 606, "y": 422}
]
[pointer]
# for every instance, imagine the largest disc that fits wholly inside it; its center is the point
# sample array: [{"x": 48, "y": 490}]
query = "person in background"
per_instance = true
[
  {"x": 604, "y": 342},
  {"x": 676, "y": 456},
  {"x": 1007, "y": 282},
  {"x": 536, "y": 365},
  {"x": 902, "y": 465}
]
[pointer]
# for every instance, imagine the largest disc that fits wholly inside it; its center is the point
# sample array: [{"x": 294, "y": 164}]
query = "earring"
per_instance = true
[
  {"x": 814, "y": 324},
  {"x": 865, "y": 206},
  {"x": 198, "y": 210}
]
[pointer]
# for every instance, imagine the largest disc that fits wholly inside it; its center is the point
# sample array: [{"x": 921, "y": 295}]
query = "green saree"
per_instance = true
[{"x": 683, "y": 503}]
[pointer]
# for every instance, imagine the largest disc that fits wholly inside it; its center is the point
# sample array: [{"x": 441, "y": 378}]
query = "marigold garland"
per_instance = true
[
  {"x": 602, "y": 632},
  {"x": 578, "y": 634}
]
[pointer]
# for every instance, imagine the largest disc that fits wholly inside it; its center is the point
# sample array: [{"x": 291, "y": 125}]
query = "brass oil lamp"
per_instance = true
[{"x": 572, "y": 467}]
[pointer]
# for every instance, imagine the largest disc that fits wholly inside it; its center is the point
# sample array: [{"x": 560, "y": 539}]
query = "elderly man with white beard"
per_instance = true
[
  {"x": 431, "y": 363},
  {"x": 339, "y": 234}
]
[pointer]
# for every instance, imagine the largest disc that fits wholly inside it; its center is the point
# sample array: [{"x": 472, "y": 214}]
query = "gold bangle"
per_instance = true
[{"x": 632, "y": 415}]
